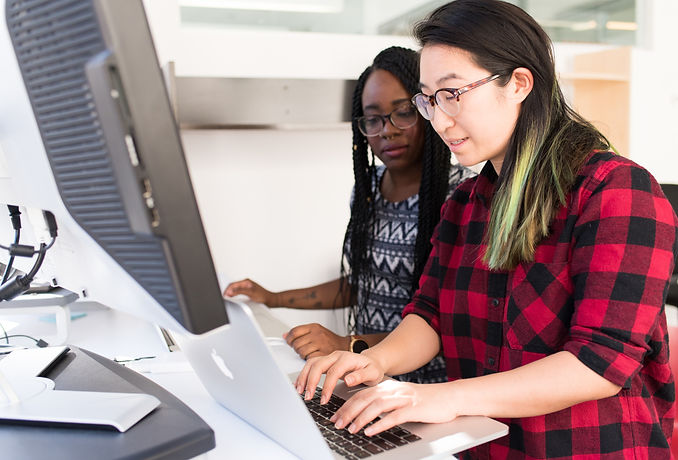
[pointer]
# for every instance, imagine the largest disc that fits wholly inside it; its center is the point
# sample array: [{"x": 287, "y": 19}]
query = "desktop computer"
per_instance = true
[
  {"x": 89, "y": 145},
  {"x": 88, "y": 134}
]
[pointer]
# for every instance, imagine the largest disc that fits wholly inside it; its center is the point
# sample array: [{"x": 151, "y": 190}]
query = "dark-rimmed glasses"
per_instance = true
[
  {"x": 402, "y": 117},
  {"x": 446, "y": 98}
]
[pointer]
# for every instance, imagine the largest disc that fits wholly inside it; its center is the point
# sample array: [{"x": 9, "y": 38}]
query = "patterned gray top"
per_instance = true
[{"x": 390, "y": 286}]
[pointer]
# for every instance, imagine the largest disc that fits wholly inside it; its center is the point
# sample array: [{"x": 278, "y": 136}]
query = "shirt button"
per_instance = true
[
  {"x": 490, "y": 361},
  {"x": 495, "y": 302}
]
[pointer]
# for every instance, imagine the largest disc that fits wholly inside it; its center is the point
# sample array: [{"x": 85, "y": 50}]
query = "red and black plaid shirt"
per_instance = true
[{"x": 596, "y": 288}]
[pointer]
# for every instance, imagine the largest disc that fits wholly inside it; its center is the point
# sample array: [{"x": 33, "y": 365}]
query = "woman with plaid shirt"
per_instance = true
[{"x": 545, "y": 287}]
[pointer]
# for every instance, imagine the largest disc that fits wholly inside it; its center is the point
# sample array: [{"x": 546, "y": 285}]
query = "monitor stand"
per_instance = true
[
  {"x": 29, "y": 398},
  {"x": 54, "y": 301}
]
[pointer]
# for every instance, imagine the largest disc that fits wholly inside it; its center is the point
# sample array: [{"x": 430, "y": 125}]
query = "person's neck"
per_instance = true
[{"x": 397, "y": 186}]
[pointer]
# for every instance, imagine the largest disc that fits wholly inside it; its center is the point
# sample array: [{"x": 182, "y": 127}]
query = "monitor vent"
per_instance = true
[{"x": 53, "y": 41}]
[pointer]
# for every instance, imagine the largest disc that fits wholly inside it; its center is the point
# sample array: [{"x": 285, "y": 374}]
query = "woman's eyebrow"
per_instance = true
[
  {"x": 443, "y": 79},
  {"x": 393, "y": 102}
]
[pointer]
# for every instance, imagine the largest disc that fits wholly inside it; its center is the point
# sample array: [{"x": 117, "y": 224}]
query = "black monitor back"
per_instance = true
[{"x": 100, "y": 102}]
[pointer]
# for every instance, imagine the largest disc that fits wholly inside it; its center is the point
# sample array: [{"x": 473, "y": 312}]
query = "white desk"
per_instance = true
[{"x": 111, "y": 334}]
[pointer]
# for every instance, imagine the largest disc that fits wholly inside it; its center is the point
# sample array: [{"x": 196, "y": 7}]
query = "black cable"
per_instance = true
[
  {"x": 10, "y": 289},
  {"x": 21, "y": 284},
  {"x": 129, "y": 360},
  {"x": 8, "y": 268},
  {"x": 39, "y": 342},
  {"x": 22, "y": 335},
  {"x": 4, "y": 331},
  {"x": 38, "y": 262},
  {"x": 26, "y": 250},
  {"x": 15, "y": 217}
]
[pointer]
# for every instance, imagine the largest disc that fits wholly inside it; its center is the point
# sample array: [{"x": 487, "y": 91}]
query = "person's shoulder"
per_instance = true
[{"x": 606, "y": 169}]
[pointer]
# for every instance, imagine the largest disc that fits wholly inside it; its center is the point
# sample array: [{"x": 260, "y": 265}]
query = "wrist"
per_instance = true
[
  {"x": 273, "y": 299},
  {"x": 357, "y": 344},
  {"x": 346, "y": 343},
  {"x": 376, "y": 358}
]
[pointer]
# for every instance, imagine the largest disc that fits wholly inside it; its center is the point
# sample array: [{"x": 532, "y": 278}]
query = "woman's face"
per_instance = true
[
  {"x": 399, "y": 149},
  {"x": 487, "y": 115}
]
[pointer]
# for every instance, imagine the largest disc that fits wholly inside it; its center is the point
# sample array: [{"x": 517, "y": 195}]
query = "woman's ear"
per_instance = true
[{"x": 520, "y": 84}]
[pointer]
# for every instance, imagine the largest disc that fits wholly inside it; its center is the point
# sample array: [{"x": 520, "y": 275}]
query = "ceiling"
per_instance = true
[{"x": 597, "y": 21}]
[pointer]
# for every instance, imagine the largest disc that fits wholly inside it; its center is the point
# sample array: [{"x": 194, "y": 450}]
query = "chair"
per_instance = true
[
  {"x": 673, "y": 361},
  {"x": 671, "y": 192}
]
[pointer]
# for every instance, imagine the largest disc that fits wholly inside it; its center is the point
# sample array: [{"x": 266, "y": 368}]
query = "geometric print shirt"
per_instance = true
[
  {"x": 596, "y": 288},
  {"x": 392, "y": 267}
]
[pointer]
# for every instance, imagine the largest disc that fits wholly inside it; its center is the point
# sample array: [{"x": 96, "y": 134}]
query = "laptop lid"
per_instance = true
[{"x": 238, "y": 369}]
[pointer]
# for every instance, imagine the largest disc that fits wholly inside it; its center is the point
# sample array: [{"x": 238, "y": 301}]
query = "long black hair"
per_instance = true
[
  {"x": 550, "y": 142},
  {"x": 403, "y": 64}
]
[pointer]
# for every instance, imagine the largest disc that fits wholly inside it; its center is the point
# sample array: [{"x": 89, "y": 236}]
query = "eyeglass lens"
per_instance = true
[
  {"x": 401, "y": 118},
  {"x": 447, "y": 100}
]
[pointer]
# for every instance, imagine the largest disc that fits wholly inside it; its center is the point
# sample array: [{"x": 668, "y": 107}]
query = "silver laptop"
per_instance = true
[{"x": 238, "y": 369}]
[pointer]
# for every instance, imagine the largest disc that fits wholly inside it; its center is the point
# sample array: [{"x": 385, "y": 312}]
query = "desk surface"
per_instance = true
[{"x": 112, "y": 334}]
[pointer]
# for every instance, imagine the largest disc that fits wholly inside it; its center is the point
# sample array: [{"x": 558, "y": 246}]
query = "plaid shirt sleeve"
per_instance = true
[{"x": 621, "y": 259}]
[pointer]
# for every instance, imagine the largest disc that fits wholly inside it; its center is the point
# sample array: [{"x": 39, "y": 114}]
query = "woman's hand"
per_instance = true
[
  {"x": 310, "y": 340},
  {"x": 252, "y": 290},
  {"x": 397, "y": 402},
  {"x": 352, "y": 367}
]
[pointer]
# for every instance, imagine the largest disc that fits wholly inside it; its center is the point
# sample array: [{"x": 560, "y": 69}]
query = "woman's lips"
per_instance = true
[
  {"x": 394, "y": 151},
  {"x": 456, "y": 143}
]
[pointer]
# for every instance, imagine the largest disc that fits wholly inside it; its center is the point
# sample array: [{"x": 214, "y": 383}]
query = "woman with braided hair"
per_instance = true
[{"x": 394, "y": 209}]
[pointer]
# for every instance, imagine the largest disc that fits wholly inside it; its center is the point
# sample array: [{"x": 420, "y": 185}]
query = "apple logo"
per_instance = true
[{"x": 221, "y": 364}]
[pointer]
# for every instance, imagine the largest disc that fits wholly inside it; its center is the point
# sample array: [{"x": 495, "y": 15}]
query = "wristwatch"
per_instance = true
[{"x": 357, "y": 345}]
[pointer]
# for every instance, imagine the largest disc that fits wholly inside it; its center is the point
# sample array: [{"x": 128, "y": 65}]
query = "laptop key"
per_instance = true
[
  {"x": 372, "y": 448},
  {"x": 353, "y": 445},
  {"x": 383, "y": 444},
  {"x": 393, "y": 439}
]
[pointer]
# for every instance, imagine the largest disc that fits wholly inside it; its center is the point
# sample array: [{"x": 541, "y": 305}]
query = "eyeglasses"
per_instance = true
[
  {"x": 403, "y": 117},
  {"x": 446, "y": 98}
]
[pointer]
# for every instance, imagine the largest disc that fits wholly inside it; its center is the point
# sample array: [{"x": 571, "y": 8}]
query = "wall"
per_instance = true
[
  {"x": 654, "y": 92},
  {"x": 275, "y": 202}
]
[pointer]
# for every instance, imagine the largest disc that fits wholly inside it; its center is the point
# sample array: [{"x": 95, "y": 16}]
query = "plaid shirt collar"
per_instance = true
[{"x": 483, "y": 189}]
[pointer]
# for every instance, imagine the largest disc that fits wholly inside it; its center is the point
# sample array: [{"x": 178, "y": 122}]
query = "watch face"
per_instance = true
[{"x": 359, "y": 345}]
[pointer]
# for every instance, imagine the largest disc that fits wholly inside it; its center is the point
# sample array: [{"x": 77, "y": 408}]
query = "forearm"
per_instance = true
[
  {"x": 323, "y": 296},
  {"x": 548, "y": 385},
  {"x": 408, "y": 347}
]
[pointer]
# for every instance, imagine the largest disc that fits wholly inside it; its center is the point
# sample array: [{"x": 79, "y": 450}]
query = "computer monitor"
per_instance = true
[{"x": 87, "y": 132}]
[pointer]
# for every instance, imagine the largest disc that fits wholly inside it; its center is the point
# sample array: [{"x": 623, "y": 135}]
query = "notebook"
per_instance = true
[{"x": 238, "y": 369}]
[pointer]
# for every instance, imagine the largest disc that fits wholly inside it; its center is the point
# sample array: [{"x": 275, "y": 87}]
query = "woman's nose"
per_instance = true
[
  {"x": 389, "y": 130},
  {"x": 440, "y": 121}
]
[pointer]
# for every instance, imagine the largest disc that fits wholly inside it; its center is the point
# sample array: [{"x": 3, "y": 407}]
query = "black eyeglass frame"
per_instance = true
[{"x": 383, "y": 118}]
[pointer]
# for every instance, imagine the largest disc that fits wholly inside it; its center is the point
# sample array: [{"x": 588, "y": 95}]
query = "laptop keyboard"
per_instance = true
[{"x": 358, "y": 445}]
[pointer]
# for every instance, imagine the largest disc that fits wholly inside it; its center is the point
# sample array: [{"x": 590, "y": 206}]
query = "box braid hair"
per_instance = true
[{"x": 402, "y": 63}]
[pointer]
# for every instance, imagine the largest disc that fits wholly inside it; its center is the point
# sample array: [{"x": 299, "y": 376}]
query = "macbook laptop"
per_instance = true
[{"x": 238, "y": 369}]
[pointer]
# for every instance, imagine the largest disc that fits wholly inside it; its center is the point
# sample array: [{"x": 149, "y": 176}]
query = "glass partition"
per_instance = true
[{"x": 590, "y": 21}]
